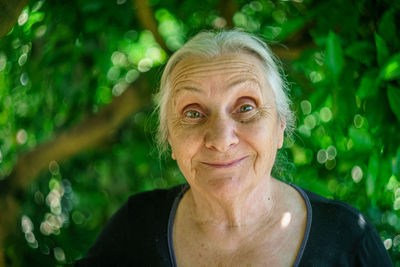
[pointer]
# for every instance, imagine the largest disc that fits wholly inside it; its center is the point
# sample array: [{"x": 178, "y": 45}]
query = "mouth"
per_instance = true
[{"x": 224, "y": 164}]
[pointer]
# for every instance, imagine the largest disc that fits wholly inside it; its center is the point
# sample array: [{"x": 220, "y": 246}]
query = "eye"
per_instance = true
[
  {"x": 245, "y": 108},
  {"x": 193, "y": 114}
]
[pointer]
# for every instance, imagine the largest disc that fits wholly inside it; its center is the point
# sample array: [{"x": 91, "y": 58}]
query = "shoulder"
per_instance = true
[
  {"x": 139, "y": 226},
  {"x": 336, "y": 214},
  {"x": 159, "y": 199},
  {"x": 340, "y": 234},
  {"x": 144, "y": 208}
]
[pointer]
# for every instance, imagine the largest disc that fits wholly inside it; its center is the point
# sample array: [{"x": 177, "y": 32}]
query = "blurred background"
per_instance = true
[{"x": 76, "y": 123}]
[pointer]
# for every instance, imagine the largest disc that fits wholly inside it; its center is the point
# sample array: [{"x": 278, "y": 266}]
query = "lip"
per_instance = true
[{"x": 224, "y": 164}]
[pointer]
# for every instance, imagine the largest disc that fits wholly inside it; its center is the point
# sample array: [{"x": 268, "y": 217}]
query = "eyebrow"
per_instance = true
[
  {"x": 232, "y": 84},
  {"x": 241, "y": 80},
  {"x": 187, "y": 88}
]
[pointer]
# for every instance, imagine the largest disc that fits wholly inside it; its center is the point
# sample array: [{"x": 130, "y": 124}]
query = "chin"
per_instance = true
[{"x": 226, "y": 188}]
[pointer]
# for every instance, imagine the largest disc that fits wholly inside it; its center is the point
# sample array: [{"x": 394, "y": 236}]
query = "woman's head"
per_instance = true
[
  {"x": 210, "y": 45},
  {"x": 223, "y": 126}
]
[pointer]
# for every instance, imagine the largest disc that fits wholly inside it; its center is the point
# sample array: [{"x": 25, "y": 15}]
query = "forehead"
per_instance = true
[{"x": 223, "y": 68}]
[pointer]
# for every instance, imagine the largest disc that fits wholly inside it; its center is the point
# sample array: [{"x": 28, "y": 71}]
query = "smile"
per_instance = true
[{"x": 224, "y": 164}]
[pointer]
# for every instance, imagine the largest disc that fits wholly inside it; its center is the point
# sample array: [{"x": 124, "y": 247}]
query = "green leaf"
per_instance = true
[
  {"x": 369, "y": 84},
  {"x": 387, "y": 27},
  {"x": 393, "y": 94},
  {"x": 361, "y": 138},
  {"x": 391, "y": 70},
  {"x": 396, "y": 164},
  {"x": 361, "y": 51},
  {"x": 373, "y": 169},
  {"x": 334, "y": 55},
  {"x": 382, "y": 51},
  {"x": 291, "y": 26}
]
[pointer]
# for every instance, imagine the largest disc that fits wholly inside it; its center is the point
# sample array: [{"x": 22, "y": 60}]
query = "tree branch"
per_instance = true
[
  {"x": 291, "y": 52},
  {"x": 9, "y": 13},
  {"x": 227, "y": 9},
  {"x": 146, "y": 17},
  {"x": 89, "y": 133}
]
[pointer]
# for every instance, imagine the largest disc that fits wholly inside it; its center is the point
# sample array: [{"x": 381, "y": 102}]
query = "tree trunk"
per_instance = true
[{"x": 9, "y": 13}]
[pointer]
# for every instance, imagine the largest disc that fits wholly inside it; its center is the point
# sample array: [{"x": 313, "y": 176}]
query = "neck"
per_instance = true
[{"x": 245, "y": 212}]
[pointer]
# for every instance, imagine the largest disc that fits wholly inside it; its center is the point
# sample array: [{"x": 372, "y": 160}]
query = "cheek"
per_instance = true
[
  {"x": 184, "y": 143},
  {"x": 258, "y": 134},
  {"x": 264, "y": 141}
]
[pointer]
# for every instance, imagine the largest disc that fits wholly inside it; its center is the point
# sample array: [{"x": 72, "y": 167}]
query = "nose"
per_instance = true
[{"x": 221, "y": 134}]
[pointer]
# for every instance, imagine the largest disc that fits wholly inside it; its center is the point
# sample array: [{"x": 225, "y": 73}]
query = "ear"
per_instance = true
[{"x": 281, "y": 132}]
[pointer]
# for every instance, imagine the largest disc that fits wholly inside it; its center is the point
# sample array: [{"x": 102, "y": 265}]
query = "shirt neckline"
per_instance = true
[{"x": 174, "y": 207}]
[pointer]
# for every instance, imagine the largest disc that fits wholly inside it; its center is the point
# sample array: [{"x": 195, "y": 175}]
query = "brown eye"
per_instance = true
[
  {"x": 193, "y": 114},
  {"x": 245, "y": 108}
]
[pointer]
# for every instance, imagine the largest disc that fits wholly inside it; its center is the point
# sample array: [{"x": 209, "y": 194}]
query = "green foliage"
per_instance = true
[
  {"x": 334, "y": 55},
  {"x": 394, "y": 99},
  {"x": 65, "y": 61}
]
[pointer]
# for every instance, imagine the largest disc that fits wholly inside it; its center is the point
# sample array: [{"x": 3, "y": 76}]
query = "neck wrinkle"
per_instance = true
[{"x": 235, "y": 216}]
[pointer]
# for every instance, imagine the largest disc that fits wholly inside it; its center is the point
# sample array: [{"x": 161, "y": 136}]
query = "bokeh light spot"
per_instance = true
[
  {"x": 26, "y": 224},
  {"x": 305, "y": 107},
  {"x": 271, "y": 32},
  {"x": 310, "y": 121},
  {"x": 131, "y": 76},
  {"x": 174, "y": 42},
  {"x": 3, "y": 61},
  {"x": 119, "y": 88},
  {"x": 145, "y": 64},
  {"x": 304, "y": 130},
  {"x": 279, "y": 16},
  {"x": 326, "y": 114},
  {"x": 331, "y": 150},
  {"x": 23, "y": 18},
  {"x": 113, "y": 73},
  {"x": 388, "y": 243},
  {"x": 118, "y": 58},
  {"x": 154, "y": 53},
  {"x": 24, "y": 79},
  {"x": 30, "y": 237},
  {"x": 37, "y": 6},
  {"x": 330, "y": 164},
  {"x": 219, "y": 23},
  {"x": 40, "y": 31},
  {"x": 54, "y": 168},
  {"x": 59, "y": 254},
  {"x": 396, "y": 204},
  {"x": 240, "y": 20},
  {"x": 78, "y": 217},
  {"x": 315, "y": 77},
  {"x": 322, "y": 156},
  {"x": 356, "y": 174},
  {"x": 397, "y": 193},
  {"x": 358, "y": 121},
  {"x": 22, "y": 136},
  {"x": 22, "y": 59},
  {"x": 256, "y": 6}
]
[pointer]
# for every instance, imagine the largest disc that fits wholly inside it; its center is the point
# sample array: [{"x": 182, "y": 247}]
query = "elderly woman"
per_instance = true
[{"x": 224, "y": 111}]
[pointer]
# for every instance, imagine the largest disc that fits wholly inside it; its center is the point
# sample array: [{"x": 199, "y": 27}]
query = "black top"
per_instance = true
[{"x": 140, "y": 234}]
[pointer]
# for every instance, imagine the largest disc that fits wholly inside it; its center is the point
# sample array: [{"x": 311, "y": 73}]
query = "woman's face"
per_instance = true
[{"x": 223, "y": 126}]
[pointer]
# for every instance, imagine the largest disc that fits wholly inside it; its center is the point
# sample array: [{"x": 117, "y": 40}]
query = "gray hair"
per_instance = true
[{"x": 212, "y": 44}]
